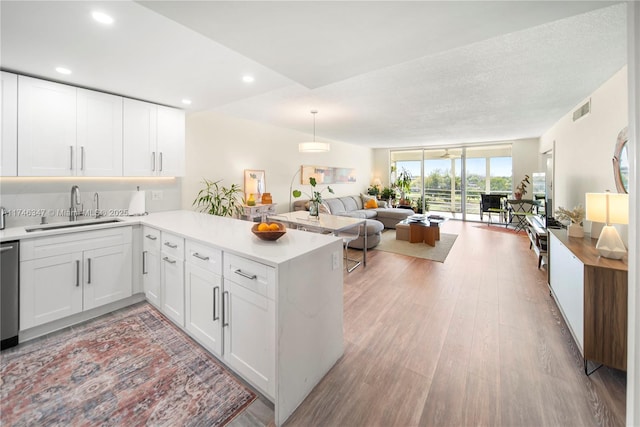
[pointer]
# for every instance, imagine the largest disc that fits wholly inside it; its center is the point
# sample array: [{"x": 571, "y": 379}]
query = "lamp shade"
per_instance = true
[
  {"x": 313, "y": 147},
  {"x": 607, "y": 208}
]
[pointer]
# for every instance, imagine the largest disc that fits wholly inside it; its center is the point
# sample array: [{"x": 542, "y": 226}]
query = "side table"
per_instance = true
[{"x": 258, "y": 211}]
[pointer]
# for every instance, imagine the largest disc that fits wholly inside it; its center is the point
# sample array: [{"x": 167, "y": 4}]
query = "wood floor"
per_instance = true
[{"x": 476, "y": 340}]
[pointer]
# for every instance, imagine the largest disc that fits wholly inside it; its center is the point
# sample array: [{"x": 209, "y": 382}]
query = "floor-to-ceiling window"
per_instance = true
[{"x": 450, "y": 181}]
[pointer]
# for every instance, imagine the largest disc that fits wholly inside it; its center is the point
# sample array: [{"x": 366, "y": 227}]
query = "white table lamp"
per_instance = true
[{"x": 610, "y": 209}]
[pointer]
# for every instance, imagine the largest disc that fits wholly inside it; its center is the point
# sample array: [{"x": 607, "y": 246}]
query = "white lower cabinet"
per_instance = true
[
  {"x": 203, "y": 308},
  {"x": 71, "y": 273},
  {"x": 172, "y": 277},
  {"x": 151, "y": 265}
]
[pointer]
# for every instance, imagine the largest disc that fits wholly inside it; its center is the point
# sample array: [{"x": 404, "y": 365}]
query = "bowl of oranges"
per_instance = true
[{"x": 269, "y": 230}]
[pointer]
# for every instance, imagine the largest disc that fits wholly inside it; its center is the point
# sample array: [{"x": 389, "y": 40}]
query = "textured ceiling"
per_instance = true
[{"x": 381, "y": 74}]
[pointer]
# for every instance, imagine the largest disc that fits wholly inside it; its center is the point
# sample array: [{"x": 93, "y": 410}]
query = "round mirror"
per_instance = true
[{"x": 621, "y": 163}]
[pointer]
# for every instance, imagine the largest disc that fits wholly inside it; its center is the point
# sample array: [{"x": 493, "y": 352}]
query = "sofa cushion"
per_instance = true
[
  {"x": 350, "y": 203},
  {"x": 336, "y": 207},
  {"x": 361, "y": 213},
  {"x": 371, "y": 204}
]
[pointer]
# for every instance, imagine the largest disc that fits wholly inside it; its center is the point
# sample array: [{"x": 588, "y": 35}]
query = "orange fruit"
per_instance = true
[
  {"x": 263, "y": 227},
  {"x": 274, "y": 227}
]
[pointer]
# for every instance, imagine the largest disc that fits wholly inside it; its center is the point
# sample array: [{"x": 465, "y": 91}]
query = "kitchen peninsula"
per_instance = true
[{"x": 271, "y": 311}]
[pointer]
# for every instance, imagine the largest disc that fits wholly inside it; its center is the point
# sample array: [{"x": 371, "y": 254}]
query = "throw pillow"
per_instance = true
[{"x": 371, "y": 204}]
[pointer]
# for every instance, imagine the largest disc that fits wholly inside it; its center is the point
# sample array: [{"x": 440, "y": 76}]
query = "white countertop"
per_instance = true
[{"x": 228, "y": 234}]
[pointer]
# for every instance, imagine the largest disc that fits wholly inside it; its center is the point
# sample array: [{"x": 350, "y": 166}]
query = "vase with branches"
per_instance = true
[
  {"x": 575, "y": 218},
  {"x": 521, "y": 189},
  {"x": 315, "y": 198}
]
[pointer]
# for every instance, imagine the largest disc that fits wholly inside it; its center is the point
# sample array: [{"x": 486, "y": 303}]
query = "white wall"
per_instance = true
[
  {"x": 220, "y": 147},
  {"x": 584, "y": 148},
  {"x": 27, "y": 198},
  {"x": 633, "y": 342}
]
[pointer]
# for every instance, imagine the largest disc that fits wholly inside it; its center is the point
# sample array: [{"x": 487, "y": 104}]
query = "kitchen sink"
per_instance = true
[{"x": 71, "y": 224}]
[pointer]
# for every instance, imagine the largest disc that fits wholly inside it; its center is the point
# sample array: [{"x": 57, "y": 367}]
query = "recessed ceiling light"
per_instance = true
[
  {"x": 102, "y": 18},
  {"x": 247, "y": 79},
  {"x": 63, "y": 70},
  {"x": 186, "y": 101}
]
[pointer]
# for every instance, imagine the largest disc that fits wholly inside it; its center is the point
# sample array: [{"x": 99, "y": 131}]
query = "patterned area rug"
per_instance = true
[
  {"x": 129, "y": 368},
  {"x": 439, "y": 252}
]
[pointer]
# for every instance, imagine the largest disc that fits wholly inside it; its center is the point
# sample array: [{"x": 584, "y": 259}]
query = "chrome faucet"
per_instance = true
[
  {"x": 96, "y": 200},
  {"x": 73, "y": 210}
]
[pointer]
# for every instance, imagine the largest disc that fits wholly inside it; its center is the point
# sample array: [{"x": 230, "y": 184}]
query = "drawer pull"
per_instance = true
[
  {"x": 202, "y": 257},
  {"x": 150, "y": 237},
  {"x": 216, "y": 291},
  {"x": 77, "y": 273},
  {"x": 89, "y": 271},
  {"x": 171, "y": 245},
  {"x": 169, "y": 260},
  {"x": 144, "y": 262},
  {"x": 247, "y": 275},
  {"x": 225, "y": 309}
]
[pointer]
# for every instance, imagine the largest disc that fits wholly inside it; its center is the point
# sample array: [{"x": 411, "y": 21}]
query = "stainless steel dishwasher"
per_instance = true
[{"x": 9, "y": 294}]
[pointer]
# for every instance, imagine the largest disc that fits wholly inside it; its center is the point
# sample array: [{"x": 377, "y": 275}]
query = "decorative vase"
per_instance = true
[
  {"x": 251, "y": 201},
  {"x": 314, "y": 209},
  {"x": 267, "y": 199},
  {"x": 518, "y": 196},
  {"x": 575, "y": 230}
]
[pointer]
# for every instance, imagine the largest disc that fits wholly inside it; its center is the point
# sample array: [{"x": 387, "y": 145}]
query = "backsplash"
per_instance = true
[{"x": 27, "y": 200}]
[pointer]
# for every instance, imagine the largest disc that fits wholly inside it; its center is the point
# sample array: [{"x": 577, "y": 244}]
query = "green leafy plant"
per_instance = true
[
  {"x": 403, "y": 182},
  {"x": 373, "y": 190},
  {"x": 316, "y": 195},
  {"x": 388, "y": 193},
  {"x": 216, "y": 199},
  {"x": 417, "y": 206}
]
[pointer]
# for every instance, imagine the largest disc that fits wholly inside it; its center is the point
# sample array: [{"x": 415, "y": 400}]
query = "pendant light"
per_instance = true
[{"x": 314, "y": 147}]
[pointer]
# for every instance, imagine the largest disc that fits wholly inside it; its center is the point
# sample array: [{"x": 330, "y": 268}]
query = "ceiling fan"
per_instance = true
[{"x": 447, "y": 155}]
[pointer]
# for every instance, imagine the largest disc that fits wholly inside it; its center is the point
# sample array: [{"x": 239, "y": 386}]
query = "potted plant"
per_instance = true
[
  {"x": 418, "y": 205},
  {"x": 388, "y": 193},
  {"x": 575, "y": 216},
  {"x": 373, "y": 190},
  {"x": 521, "y": 189},
  {"x": 216, "y": 199},
  {"x": 315, "y": 198},
  {"x": 403, "y": 182}
]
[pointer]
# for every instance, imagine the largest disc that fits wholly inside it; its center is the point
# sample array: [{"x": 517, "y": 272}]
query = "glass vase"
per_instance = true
[{"x": 314, "y": 209}]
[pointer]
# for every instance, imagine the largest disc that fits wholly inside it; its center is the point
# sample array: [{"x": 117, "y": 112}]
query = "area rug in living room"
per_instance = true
[
  {"x": 132, "y": 367},
  {"x": 439, "y": 252}
]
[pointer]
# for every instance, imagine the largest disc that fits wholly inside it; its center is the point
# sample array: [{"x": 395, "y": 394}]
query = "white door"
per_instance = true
[
  {"x": 99, "y": 149},
  {"x": 249, "y": 335},
  {"x": 9, "y": 144},
  {"x": 107, "y": 275},
  {"x": 203, "y": 308},
  {"x": 171, "y": 143},
  {"x": 140, "y": 138},
  {"x": 172, "y": 279},
  {"x": 50, "y": 289},
  {"x": 46, "y": 128}
]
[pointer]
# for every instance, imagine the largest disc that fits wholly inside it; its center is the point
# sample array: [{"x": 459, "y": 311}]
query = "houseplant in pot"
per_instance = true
[
  {"x": 521, "y": 189},
  {"x": 315, "y": 198},
  {"x": 216, "y": 199},
  {"x": 403, "y": 182}
]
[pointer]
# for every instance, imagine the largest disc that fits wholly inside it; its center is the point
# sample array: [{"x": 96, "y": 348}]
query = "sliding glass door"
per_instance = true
[{"x": 450, "y": 181}]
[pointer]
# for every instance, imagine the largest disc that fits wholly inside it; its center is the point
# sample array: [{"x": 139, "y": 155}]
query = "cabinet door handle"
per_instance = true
[
  {"x": 71, "y": 157},
  {"x": 6, "y": 248},
  {"x": 150, "y": 237},
  {"x": 171, "y": 245},
  {"x": 247, "y": 275},
  {"x": 216, "y": 291},
  {"x": 82, "y": 157},
  {"x": 88, "y": 270},
  {"x": 169, "y": 260},
  {"x": 144, "y": 262},
  {"x": 77, "y": 273},
  {"x": 153, "y": 161},
  {"x": 225, "y": 309},
  {"x": 161, "y": 161},
  {"x": 202, "y": 257}
]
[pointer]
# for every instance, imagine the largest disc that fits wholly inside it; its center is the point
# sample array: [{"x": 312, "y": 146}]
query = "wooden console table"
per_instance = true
[{"x": 591, "y": 292}]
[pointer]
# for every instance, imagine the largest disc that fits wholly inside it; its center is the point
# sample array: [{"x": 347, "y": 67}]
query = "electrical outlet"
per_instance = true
[
  {"x": 335, "y": 260},
  {"x": 156, "y": 195}
]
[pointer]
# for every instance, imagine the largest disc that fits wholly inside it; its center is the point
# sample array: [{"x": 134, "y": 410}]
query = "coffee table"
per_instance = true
[{"x": 427, "y": 231}]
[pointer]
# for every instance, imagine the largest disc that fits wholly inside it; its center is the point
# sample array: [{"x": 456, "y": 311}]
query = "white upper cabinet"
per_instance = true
[
  {"x": 153, "y": 140},
  {"x": 9, "y": 143},
  {"x": 46, "y": 128},
  {"x": 140, "y": 127},
  {"x": 99, "y": 146},
  {"x": 171, "y": 147}
]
